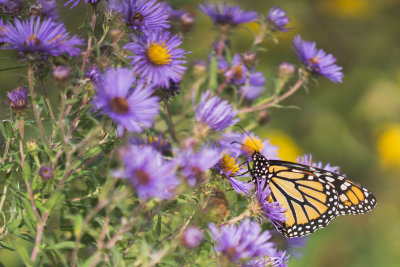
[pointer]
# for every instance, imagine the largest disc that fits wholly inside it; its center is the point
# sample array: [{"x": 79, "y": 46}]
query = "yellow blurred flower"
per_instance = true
[
  {"x": 348, "y": 8},
  {"x": 254, "y": 26},
  {"x": 288, "y": 149},
  {"x": 388, "y": 146}
]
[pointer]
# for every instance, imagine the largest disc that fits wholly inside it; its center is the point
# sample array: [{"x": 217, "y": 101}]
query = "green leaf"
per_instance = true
[
  {"x": 6, "y": 246},
  {"x": 213, "y": 82},
  {"x": 88, "y": 262},
  {"x": 158, "y": 227},
  {"x": 57, "y": 198},
  {"x": 66, "y": 244},
  {"x": 26, "y": 171},
  {"x": 28, "y": 216},
  {"x": 117, "y": 259},
  {"x": 78, "y": 225},
  {"x": 14, "y": 223},
  {"x": 13, "y": 68},
  {"x": 22, "y": 252}
]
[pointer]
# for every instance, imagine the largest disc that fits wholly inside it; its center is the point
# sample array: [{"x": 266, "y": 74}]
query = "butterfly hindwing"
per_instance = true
[
  {"x": 353, "y": 198},
  {"x": 311, "y": 197}
]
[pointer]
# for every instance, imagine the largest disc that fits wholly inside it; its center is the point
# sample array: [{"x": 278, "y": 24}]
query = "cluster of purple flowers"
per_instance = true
[
  {"x": 131, "y": 98},
  {"x": 40, "y": 36},
  {"x": 247, "y": 241}
]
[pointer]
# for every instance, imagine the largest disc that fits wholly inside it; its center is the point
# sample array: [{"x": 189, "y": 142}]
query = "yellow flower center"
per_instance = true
[
  {"x": 33, "y": 38},
  {"x": 158, "y": 54},
  {"x": 238, "y": 72},
  {"x": 153, "y": 139},
  {"x": 252, "y": 144},
  {"x": 19, "y": 104},
  {"x": 136, "y": 19},
  {"x": 314, "y": 63},
  {"x": 228, "y": 164}
]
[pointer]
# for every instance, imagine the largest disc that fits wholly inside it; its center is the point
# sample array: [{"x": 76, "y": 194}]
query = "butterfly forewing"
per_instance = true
[{"x": 311, "y": 197}]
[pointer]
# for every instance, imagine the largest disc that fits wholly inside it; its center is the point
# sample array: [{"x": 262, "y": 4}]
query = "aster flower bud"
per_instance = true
[
  {"x": 217, "y": 209},
  {"x": 286, "y": 71},
  {"x": 264, "y": 117},
  {"x": 249, "y": 59},
  {"x": 192, "y": 237},
  {"x": 18, "y": 99},
  {"x": 46, "y": 172},
  {"x": 62, "y": 73},
  {"x": 199, "y": 67},
  {"x": 32, "y": 145},
  {"x": 186, "y": 21}
]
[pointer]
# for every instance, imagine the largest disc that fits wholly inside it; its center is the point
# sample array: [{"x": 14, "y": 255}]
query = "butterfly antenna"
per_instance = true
[
  {"x": 236, "y": 142},
  {"x": 237, "y": 125}
]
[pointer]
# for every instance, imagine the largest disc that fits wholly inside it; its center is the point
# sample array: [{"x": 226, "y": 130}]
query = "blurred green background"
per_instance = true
[{"x": 355, "y": 125}]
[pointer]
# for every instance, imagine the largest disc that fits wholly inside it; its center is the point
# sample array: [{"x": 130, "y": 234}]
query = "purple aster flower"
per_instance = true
[
  {"x": 278, "y": 19},
  {"x": 148, "y": 173},
  {"x": 243, "y": 241},
  {"x": 11, "y": 7},
  {"x": 194, "y": 165},
  {"x": 18, "y": 99},
  {"x": 317, "y": 61},
  {"x": 133, "y": 109},
  {"x": 241, "y": 187},
  {"x": 257, "y": 262},
  {"x": 192, "y": 237},
  {"x": 306, "y": 159},
  {"x": 46, "y": 172},
  {"x": 142, "y": 15},
  {"x": 93, "y": 74},
  {"x": 228, "y": 165},
  {"x": 295, "y": 244},
  {"x": 248, "y": 144},
  {"x": 256, "y": 86},
  {"x": 76, "y": 2},
  {"x": 3, "y": 31},
  {"x": 48, "y": 9},
  {"x": 227, "y": 15},
  {"x": 214, "y": 112},
  {"x": 272, "y": 210},
  {"x": 44, "y": 37},
  {"x": 157, "y": 57},
  {"x": 279, "y": 259},
  {"x": 157, "y": 142},
  {"x": 237, "y": 72}
]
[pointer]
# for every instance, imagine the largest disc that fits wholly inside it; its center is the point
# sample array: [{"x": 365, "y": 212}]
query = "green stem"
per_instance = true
[{"x": 34, "y": 107}]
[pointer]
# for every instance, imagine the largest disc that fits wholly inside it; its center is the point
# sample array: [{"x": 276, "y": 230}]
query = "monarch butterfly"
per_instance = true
[{"x": 311, "y": 197}]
